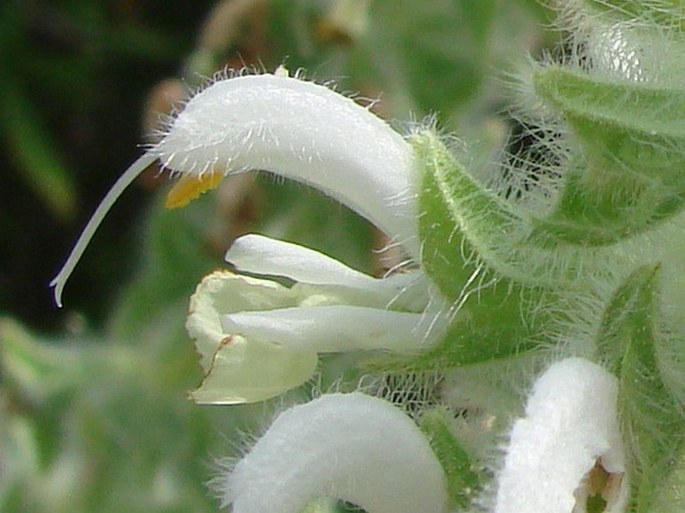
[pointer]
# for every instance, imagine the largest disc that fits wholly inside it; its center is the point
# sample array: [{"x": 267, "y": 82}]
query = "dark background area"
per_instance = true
[{"x": 74, "y": 78}]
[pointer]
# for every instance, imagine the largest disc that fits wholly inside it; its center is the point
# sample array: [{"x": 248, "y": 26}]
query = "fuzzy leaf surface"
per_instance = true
[
  {"x": 632, "y": 139},
  {"x": 653, "y": 422},
  {"x": 462, "y": 478}
]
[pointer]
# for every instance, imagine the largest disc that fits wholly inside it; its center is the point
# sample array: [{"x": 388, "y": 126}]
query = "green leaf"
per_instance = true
[
  {"x": 632, "y": 124},
  {"x": 632, "y": 139},
  {"x": 671, "y": 492},
  {"x": 431, "y": 52},
  {"x": 33, "y": 370},
  {"x": 463, "y": 480},
  {"x": 653, "y": 422},
  {"x": 68, "y": 411},
  {"x": 40, "y": 162}
]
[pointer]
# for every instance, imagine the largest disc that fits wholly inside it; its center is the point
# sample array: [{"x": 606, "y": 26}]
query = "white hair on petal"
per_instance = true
[
  {"x": 291, "y": 127},
  {"x": 352, "y": 447}
]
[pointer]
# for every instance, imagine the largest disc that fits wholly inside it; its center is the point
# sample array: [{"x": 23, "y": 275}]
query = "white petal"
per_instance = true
[
  {"x": 291, "y": 127},
  {"x": 223, "y": 292},
  {"x": 571, "y": 424},
  {"x": 301, "y": 131},
  {"x": 245, "y": 363},
  {"x": 349, "y": 446},
  {"x": 262, "y": 255},
  {"x": 239, "y": 370},
  {"x": 332, "y": 328},
  {"x": 248, "y": 371}
]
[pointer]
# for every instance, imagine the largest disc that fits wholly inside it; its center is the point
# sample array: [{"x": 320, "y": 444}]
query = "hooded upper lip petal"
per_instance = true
[
  {"x": 303, "y": 131},
  {"x": 297, "y": 129}
]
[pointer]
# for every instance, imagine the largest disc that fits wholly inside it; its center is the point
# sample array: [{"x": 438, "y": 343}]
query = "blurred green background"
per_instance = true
[{"x": 93, "y": 408}]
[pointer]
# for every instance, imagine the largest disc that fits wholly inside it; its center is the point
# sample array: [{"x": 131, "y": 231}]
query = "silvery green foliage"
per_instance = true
[{"x": 581, "y": 252}]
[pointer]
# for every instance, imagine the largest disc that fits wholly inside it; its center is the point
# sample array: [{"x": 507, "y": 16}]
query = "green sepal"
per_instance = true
[
  {"x": 629, "y": 319},
  {"x": 652, "y": 420},
  {"x": 461, "y": 224},
  {"x": 463, "y": 480},
  {"x": 632, "y": 136},
  {"x": 493, "y": 324}
]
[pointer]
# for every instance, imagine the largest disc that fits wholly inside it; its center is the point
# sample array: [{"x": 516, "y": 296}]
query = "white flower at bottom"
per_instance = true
[
  {"x": 568, "y": 447},
  {"x": 351, "y": 447},
  {"x": 258, "y": 338}
]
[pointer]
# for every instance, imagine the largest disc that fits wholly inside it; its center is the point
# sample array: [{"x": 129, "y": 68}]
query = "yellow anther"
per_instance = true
[{"x": 190, "y": 187}]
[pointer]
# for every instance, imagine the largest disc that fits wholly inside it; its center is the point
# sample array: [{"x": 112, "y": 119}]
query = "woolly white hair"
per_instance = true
[{"x": 352, "y": 447}]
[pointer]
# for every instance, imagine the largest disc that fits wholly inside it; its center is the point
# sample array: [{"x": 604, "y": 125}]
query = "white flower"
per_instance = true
[
  {"x": 351, "y": 447},
  {"x": 257, "y": 338},
  {"x": 568, "y": 447}
]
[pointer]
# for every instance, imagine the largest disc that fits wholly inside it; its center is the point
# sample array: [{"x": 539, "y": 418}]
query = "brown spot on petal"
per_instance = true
[
  {"x": 223, "y": 343},
  {"x": 226, "y": 341}
]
